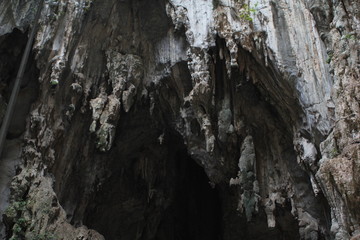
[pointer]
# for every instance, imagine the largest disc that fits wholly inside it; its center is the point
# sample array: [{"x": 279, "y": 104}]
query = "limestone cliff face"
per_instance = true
[{"x": 182, "y": 119}]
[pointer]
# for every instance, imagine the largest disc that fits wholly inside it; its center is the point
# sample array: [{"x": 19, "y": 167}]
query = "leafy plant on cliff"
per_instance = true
[
  {"x": 19, "y": 229},
  {"x": 349, "y": 36},
  {"x": 246, "y": 11},
  {"x": 334, "y": 153},
  {"x": 15, "y": 209},
  {"x": 14, "y": 216},
  {"x": 329, "y": 58}
]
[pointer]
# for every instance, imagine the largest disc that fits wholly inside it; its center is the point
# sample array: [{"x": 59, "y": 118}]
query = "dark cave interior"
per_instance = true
[
  {"x": 11, "y": 49},
  {"x": 196, "y": 210},
  {"x": 155, "y": 192}
]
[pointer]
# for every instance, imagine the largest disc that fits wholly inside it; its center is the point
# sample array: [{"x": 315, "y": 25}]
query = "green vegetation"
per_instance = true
[
  {"x": 330, "y": 56},
  {"x": 15, "y": 209},
  {"x": 54, "y": 82},
  {"x": 349, "y": 36},
  {"x": 20, "y": 206},
  {"x": 21, "y": 224},
  {"x": 14, "y": 212},
  {"x": 334, "y": 153},
  {"x": 46, "y": 236},
  {"x": 19, "y": 229},
  {"x": 246, "y": 11}
]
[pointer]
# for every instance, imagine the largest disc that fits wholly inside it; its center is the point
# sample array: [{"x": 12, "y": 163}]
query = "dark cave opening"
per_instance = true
[
  {"x": 183, "y": 205},
  {"x": 150, "y": 190},
  {"x": 12, "y": 46},
  {"x": 196, "y": 210}
]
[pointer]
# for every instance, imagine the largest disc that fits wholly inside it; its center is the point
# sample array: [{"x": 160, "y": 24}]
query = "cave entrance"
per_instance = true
[
  {"x": 195, "y": 213},
  {"x": 12, "y": 47},
  {"x": 154, "y": 191}
]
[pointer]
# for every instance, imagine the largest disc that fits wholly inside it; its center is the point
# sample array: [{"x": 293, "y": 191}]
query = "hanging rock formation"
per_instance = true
[{"x": 179, "y": 119}]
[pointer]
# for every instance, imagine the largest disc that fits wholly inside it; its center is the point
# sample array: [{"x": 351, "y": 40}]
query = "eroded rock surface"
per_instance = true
[{"x": 181, "y": 119}]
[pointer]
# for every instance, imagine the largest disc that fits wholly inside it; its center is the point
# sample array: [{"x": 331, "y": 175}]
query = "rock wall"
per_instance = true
[{"x": 179, "y": 119}]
